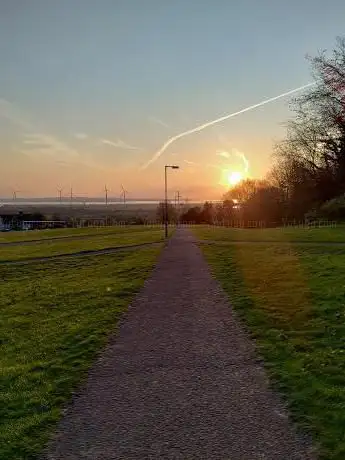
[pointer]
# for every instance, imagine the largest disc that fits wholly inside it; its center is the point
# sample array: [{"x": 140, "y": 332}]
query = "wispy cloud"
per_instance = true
[
  {"x": 45, "y": 142},
  {"x": 33, "y": 139},
  {"x": 49, "y": 145},
  {"x": 188, "y": 162},
  {"x": 209, "y": 165},
  {"x": 39, "y": 143},
  {"x": 159, "y": 122},
  {"x": 11, "y": 113},
  {"x": 80, "y": 136},
  {"x": 223, "y": 153},
  {"x": 244, "y": 159},
  {"x": 235, "y": 152},
  {"x": 119, "y": 144}
]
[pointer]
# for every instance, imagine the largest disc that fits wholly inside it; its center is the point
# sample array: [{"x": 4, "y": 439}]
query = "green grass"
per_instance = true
[
  {"x": 68, "y": 246},
  {"x": 54, "y": 319},
  {"x": 273, "y": 234},
  {"x": 8, "y": 237},
  {"x": 291, "y": 297}
]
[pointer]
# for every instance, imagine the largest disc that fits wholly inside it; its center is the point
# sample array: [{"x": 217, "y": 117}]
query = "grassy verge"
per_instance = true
[
  {"x": 54, "y": 319},
  {"x": 68, "y": 246},
  {"x": 291, "y": 297},
  {"x": 21, "y": 236},
  {"x": 287, "y": 234}
]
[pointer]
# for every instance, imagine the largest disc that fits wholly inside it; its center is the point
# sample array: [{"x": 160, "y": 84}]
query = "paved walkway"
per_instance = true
[{"x": 180, "y": 381}]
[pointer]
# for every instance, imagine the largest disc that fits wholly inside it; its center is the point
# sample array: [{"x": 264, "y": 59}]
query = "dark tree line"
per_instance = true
[
  {"x": 309, "y": 165},
  {"x": 15, "y": 220}
]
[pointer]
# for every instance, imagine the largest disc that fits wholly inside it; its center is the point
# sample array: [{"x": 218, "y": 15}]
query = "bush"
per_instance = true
[
  {"x": 313, "y": 215},
  {"x": 333, "y": 209}
]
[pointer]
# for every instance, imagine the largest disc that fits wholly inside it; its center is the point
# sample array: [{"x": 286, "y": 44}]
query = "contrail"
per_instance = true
[{"x": 218, "y": 120}]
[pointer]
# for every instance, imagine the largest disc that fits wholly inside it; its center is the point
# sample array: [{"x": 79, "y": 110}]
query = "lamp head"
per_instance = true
[{"x": 172, "y": 166}]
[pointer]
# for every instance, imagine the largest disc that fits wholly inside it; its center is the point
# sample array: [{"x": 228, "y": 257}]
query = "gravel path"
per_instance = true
[{"x": 180, "y": 381}]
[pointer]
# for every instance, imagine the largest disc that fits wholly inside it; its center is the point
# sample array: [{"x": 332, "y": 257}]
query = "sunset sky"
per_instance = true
[{"x": 90, "y": 90}]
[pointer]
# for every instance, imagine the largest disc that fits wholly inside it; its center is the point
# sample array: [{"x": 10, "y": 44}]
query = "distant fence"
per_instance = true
[
  {"x": 311, "y": 224},
  {"x": 80, "y": 223},
  {"x": 36, "y": 224},
  {"x": 99, "y": 223},
  {"x": 285, "y": 224}
]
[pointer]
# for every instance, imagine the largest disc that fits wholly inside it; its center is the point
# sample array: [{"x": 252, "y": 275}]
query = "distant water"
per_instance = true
[
  {"x": 29, "y": 202},
  {"x": 68, "y": 203}
]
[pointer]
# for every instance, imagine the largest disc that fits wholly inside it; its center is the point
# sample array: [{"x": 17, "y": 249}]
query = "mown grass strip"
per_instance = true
[
  {"x": 70, "y": 246},
  {"x": 291, "y": 298},
  {"x": 22, "y": 236},
  {"x": 54, "y": 320},
  {"x": 292, "y": 234}
]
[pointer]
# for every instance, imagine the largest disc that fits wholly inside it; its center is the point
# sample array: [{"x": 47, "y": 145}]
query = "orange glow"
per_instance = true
[
  {"x": 234, "y": 177},
  {"x": 231, "y": 178}
]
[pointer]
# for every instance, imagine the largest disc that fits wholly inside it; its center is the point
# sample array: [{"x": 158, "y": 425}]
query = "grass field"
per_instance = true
[
  {"x": 54, "y": 319},
  {"x": 43, "y": 248},
  {"x": 21, "y": 236},
  {"x": 287, "y": 234},
  {"x": 291, "y": 297}
]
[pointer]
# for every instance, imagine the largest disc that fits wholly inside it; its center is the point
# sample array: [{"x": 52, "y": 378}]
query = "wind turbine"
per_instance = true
[
  {"x": 123, "y": 194},
  {"x": 60, "y": 190},
  {"x": 106, "y": 194},
  {"x": 14, "y": 194},
  {"x": 71, "y": 196}
]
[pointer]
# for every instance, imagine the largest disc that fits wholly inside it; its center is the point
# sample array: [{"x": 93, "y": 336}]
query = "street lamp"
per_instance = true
[{"x": 166, "y": 217}]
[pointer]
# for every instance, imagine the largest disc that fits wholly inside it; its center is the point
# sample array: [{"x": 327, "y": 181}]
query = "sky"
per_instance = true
[{"x": 90, "y": 90}]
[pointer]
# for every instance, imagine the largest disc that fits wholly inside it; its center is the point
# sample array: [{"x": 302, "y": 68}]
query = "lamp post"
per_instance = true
[{"x": 166, "y": 217}]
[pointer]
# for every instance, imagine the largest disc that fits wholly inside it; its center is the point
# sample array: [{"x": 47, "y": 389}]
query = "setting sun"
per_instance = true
[{"x": 234, "y": 177}]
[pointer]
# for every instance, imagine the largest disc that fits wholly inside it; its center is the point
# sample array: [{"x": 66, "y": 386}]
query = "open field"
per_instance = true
[
  {"x": 34, "y": 235},
  {"x": 55, "y": 318},
  {"x": 282, "y": 234},
  {"x": 291, "y": 297},
  {"x": 94, "y": 241}
]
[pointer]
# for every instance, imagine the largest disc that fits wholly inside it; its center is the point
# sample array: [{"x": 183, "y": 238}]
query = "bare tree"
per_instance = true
[
  {"x": 244, "y": 190},
  {"x": 309, "y": 165}
]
